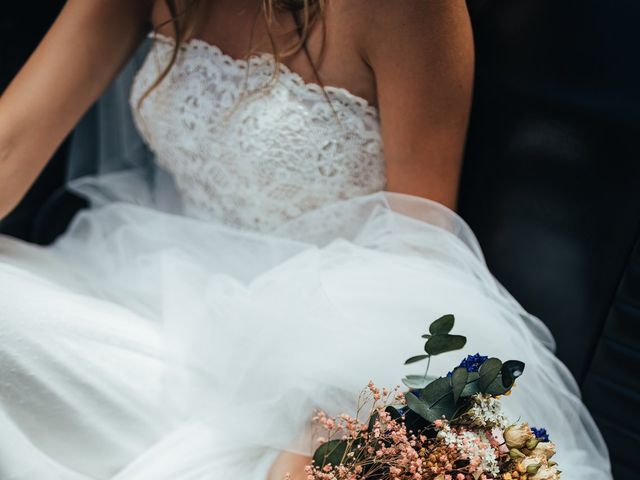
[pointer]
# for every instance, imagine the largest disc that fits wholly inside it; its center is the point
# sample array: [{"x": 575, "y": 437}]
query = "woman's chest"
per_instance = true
[{"x": 332, "y": 55}]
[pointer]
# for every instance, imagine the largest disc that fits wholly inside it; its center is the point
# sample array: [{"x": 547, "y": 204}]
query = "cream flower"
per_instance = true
[
  {"x": 544, "y": 450},
  {"x": 546, "y": 473},
  {"x": 517, "y": 436}
]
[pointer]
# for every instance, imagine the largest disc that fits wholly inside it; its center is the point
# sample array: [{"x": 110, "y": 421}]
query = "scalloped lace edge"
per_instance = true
[{"x": 266, "y": 58}]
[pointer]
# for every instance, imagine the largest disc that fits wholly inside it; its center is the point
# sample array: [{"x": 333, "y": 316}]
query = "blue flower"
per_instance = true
[
  {"x": 472, "y": 363},
  {"x": 541, "y": 434}
]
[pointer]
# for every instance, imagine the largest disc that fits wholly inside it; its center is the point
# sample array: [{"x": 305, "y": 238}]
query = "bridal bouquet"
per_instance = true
[{"x": 447, "y": 428}]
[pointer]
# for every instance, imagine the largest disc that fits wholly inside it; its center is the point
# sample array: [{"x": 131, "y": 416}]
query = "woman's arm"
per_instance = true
[
  {"x": 421, "y": 52},
  {"x": 88, "y": 44}
]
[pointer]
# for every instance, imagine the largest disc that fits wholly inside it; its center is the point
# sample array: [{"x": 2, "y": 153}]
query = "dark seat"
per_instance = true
[{"x": 550, "y": 184}]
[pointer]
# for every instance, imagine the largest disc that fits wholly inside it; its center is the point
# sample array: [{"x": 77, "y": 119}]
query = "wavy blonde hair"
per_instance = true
[{"x": 186, "y": 16}]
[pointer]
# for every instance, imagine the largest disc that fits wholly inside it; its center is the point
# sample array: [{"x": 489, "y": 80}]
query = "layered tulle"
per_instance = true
[{"x": 256, "y": 330}]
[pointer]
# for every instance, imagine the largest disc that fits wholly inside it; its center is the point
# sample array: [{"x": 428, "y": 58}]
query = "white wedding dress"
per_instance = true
[{"x": 192, "y": 338}]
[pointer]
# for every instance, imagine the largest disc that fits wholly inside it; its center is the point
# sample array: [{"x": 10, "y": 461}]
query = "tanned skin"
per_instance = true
[{"x": 80, "y": 55}]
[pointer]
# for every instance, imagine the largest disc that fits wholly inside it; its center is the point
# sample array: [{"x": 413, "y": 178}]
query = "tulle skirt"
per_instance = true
[{"x": 146, "y": 345}]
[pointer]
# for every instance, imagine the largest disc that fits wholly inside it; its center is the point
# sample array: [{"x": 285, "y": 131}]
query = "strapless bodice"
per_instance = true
[{"x": 251, "y": 149}]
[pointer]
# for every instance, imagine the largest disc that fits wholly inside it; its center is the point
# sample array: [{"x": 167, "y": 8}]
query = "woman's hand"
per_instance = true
[
  {"x": 289, "y": 463},
  {"x": 83, "y": 51}
]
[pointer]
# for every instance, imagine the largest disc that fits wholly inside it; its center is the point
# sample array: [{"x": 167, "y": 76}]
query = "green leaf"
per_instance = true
[
  {"x": 393, "y": 412},
  {"x": 435, "y": 391},
  {"x": 332, "y": 452},
  {"x": 488, "y": 371},
  {"x": 496, "y": 387},
  {"x": 444, "y": 407},
  {"x": 458, "y": 382},
  {"x": 444, "y": 343},
  {"x": 425, "y": 336},
  {"x": 472, "y": 387},
  {"x": 511, "y": 369},
  {"x": 435, "y": 401},
  {"x": 416, "y": 382},
  {"x": 443, "y": 325},
  {"x": 418, "y": 406},
  {"x": 415, "y": 359}
]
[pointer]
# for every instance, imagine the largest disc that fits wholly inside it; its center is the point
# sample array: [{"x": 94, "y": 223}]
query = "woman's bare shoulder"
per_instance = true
[
  {"x": 422, "y": 57},
  {"x": 380, "y": 23}
]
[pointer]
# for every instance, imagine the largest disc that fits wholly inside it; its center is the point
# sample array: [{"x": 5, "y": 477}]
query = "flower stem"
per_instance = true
[{"x": 428, "y": 364}]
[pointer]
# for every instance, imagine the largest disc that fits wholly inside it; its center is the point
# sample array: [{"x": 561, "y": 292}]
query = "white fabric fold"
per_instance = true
[{"x": 256, "y": 330}]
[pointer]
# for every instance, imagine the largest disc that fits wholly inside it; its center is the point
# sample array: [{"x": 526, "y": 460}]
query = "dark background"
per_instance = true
[
  {"x": 22, "y": 25},
  {"x": 550, "y": 184}
]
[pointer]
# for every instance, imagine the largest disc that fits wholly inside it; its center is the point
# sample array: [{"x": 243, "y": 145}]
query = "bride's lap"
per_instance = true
[{"x": 81, "y": 378}]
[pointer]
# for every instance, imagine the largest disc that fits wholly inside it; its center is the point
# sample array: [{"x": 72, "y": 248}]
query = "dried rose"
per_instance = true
[
  {"x": 517, "y": 436},
  {"x": 546, "y": 473},
  {"x": 544, "y": 450}
]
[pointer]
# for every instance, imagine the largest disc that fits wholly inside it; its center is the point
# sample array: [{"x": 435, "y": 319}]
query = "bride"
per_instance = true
[{"x": 291, "y": 240}]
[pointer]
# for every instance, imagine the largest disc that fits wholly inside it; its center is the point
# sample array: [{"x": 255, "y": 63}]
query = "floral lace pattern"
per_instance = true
[{"x": 251, "y": 149}]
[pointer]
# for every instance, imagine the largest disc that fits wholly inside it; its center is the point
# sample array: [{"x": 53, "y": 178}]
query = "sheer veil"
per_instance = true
[{"x": 108, "y": 159}]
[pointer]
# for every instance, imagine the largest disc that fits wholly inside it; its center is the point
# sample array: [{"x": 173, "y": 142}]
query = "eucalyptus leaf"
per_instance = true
[
  {"x": 436, "y": 390},
  {"x": 393, "y": 412},
  {"x": 445, "y": 407},
  {"x": 444, "y": 343},
  {"x": 496, "y": 387},
  {"x": 417, "y": 382},
  {"x": 472, "y": 387},
  {"x": 418, "y": 406},
  {"x": 488, "y": 371},
  {"x": 432, "y": 414},
  {"x": 332, "y": 452},
  {"x": 417, "y": 358},
  {"x": 442, "y": 325},
  {"x": 458, "y": 382},
  {"x": 511, "y": 369}
]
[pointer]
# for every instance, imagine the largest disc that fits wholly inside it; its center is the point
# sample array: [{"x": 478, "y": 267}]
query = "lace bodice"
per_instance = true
[{"x": 250, "y": 149}]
